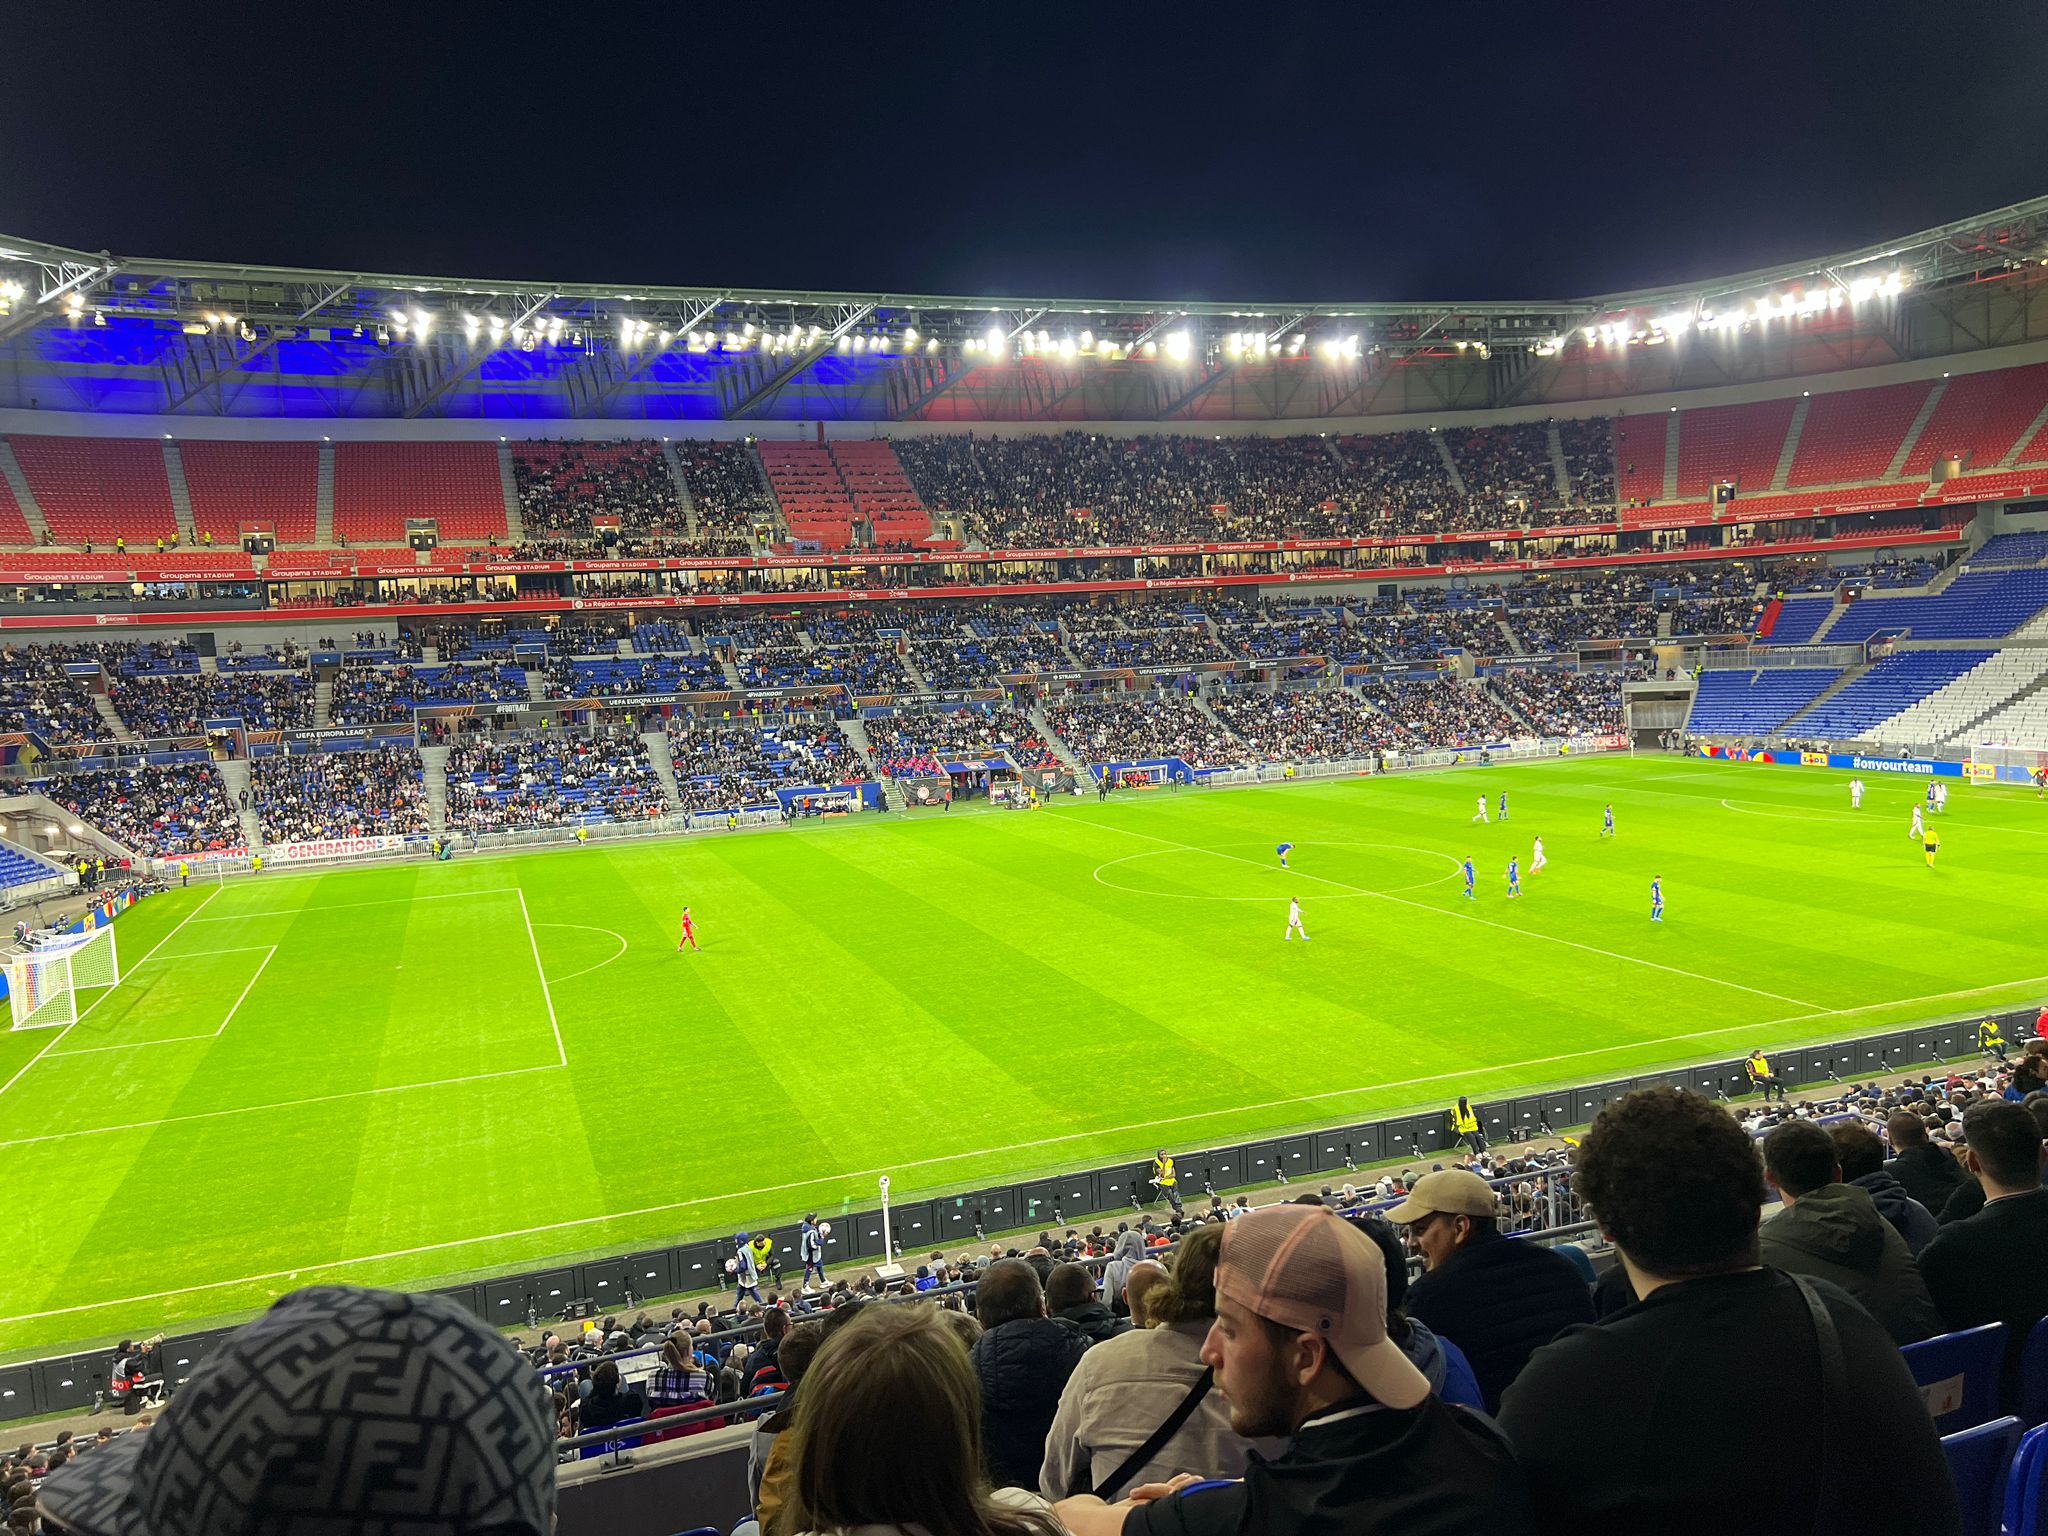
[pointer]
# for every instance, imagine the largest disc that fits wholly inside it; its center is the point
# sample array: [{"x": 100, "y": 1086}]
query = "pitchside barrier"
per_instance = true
[{"x": 923, "y": 1223}]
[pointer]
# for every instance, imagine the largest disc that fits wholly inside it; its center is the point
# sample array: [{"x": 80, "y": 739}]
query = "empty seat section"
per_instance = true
[
  {"x": 1754, "y": 702},
  {"x": 1981, "y": 416},
  {"x": 1978, "y": 605},
  {"x": 1945, "y": 712},
  {"x": 881, "y": 491},
  {"x": 233, "y": 484},
  {"x": 2009, "y": 550},
  {"x": 1798, "y": 618},
  {"x": 1884, "y": 691},
  {"x": 815, "y": 501},
  {"x": 1731, "y": 442},
  {"x": 14, "y": 527},
  {"x": 99, "y": 488},
  {"x": 1854, "y": 435},
  {"x": 1639, "y": 457},
  {"x": 377, "y": 486}
]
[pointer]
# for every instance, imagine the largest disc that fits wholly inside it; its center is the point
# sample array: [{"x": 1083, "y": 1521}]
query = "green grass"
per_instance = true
[{"x": 361, "y": 1075}]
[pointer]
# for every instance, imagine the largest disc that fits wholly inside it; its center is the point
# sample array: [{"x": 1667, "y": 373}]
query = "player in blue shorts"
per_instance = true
[
  {"x": 1503, "y": 805},
  {"x": 1514, "y": 877},
  {"x": 1607, "y": 822},
  {"x": 1283, "y": 850},
  {"x": 1656, "y": 899},
  {"x": 1467, "y": 867}
]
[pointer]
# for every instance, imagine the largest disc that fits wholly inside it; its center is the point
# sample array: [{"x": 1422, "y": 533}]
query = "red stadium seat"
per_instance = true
[
  {"x": 232, "y": 484},
  {"x": 377, "y": 486},
  {"x": 99, "y": 488}
]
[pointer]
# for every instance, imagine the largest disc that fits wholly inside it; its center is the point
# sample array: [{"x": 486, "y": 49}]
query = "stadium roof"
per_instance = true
[{"x": 135, "y": 335}]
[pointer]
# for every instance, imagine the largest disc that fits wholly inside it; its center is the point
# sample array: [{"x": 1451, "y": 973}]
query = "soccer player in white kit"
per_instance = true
[
  {"x": 1855, "y": 794},
  {"x": 1940, "y": 799},
  {"x": 1536, "y": 859},
  {"x": 1480, "y": 814},
  {"x": 1918, "y": 830},
  {"x": 1294, "y": 919}
]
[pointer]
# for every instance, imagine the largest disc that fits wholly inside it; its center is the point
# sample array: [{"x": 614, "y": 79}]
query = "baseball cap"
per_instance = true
[
  {"x": 1305, "y": 1267},
  {"x": 1447, "y": 1192},
  {"x": 339, "y": 1409}
]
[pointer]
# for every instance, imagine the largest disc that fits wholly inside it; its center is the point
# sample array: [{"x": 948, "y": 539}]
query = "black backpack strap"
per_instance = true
[
  {"x": 1834, "y": 1396},
  {"x": 1156, "y": 1441}
]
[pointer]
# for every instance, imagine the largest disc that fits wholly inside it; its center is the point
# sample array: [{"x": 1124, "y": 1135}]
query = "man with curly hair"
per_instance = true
[{"x": 1647, "y": 1419}]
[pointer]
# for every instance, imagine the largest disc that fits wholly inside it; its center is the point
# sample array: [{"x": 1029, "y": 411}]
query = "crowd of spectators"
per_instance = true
[
  {"x": 368, "y": 694},
  {"x": 161, "y": 812},
  {"x": 1310, "y": 725},
  {"x": 1125, "y": 731},
  {"x": 377, "y": 792},
  {"x": 1557, "y": 702},
  {"x": 38, "y": 694},
  {"x": 1589, "y": 460},
  {"x": 721, "y": 766},
  {"x": 918, "y": 745},
  {"x": 1437, "y": 712},
  {"x": 552, "y": 780},
  {"x": 565, "y": 488},
  {"x": 730, "y": 493},
  {"x": 179, "y": 703}
]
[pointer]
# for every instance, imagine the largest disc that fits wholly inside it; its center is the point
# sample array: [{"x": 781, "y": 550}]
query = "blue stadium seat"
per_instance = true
[
  {"x": 1977, "y": 1460},
  {"x": 1958, "y": 1375},
  {"x": 2034, "y": 1377},
  {"x": 2023, "y": 1484},
  {"x": 1754, "y": 702},
  {"x": 1888, "y": 687}
]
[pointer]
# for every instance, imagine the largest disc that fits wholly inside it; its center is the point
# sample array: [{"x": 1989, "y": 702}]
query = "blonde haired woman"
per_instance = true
[{"x": 888, "y": 1438}]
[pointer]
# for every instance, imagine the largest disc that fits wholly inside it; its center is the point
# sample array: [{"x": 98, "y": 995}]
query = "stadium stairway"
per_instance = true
[
  {"x": 1060, "y": 749},
  {"x": 664, "y": 764},
  {"x": 508, "y": 485},
  {"x": 733, "y": 680},
  {"x": 1443, "y": 451},
  {"x": 856, "y": 733},
  {"x": 1897, "y": 468},
  {"x": 1949, "y": 712},
  {"x": 1486, "y": 687},
  {"x": 1515, "y": 646},
  {"x": 117, "y": 728},
  {"x": 234, "y": 779},
  {"x": 17, "y": 482},
  {"x": 181, "y": 494},
  {"x": 323, "y": 499},
  {"x": 209, "y": 666},
  {"x": 1558, "y": 468},
  {"x": 1849, "y": 675},
  {"x": 1791, "y": 449},
  {"x": 434, "y": 777},
  {"x": 680, "y": 483},
  {"x": 2019, "y": 444},
  {"x": 1205, "y": 707},
  {"x": 323, "y": 698},
  {"x": 536, "y": 684},
  {"x": 914, "y": 671}
]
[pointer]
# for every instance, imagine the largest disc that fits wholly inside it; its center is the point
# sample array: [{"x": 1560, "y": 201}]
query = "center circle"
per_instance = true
[{"x": 1251, "y": 871}]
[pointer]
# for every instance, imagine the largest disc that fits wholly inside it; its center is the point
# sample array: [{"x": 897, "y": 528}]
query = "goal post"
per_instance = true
[{"x": 43, "y": 984}]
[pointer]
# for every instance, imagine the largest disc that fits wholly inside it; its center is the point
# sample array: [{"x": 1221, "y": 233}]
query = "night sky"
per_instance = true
[{"x": 1116, "y": 150}]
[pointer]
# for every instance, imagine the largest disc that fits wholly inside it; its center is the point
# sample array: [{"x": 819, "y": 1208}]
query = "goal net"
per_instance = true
[{"x": 43, "y": 985}]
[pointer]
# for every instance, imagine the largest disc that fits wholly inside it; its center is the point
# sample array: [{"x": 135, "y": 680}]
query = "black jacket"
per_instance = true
[
  {"x": 1993, "y": 1268},
  {"x": 1499, "y": 1299},
  {"x": 1095, "y": 1320},
  {"x": 1023, "y": 1366},
  {"x": 1930, "y": 1174},
  {"x": 1663, "y": 1417},
  {"x": 1434, "y": 1470}
]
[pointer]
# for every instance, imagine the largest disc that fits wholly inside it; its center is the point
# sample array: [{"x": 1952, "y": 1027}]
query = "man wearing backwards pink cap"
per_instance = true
[{"x": 1300, "y": 1348}]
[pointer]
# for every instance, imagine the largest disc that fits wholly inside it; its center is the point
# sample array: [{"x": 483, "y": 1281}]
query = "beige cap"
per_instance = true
[{"x": 1447, "y": 1192}]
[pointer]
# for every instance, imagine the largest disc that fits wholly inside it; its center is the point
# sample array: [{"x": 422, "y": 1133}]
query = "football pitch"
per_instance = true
[{"x": 407, "y": 1074}]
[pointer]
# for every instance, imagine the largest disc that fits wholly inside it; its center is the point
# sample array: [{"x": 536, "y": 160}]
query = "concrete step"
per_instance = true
[
  {"x": 1671, "y": 419},
  {"x": 681, "y": 482},
  {"x": 2019, "y": 444},
  {"x": 323, "y": 499},
  {"x": 1558, "y": 467},
  {"x": 434, "y": 776},
  {"x": 515, "y": 522},
  {"x": 235, "y": 778},
  {"x": 664, "y": 764},
  {"x": 1791, "y": 449},
  {"x": 1060, "y": 749},
  {"x": 17, "y": 482},
  {"x": 1514, "y": 641},
  {"x": 181, "y": 494},
  {"x": 1443, "y": 451},
  {"x": 323, "y": 701},
  {"x": 1911, "y": 440},
  {"x": 116, "y": 726}
]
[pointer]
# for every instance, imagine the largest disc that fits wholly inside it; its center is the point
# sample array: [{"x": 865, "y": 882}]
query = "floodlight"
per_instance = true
[
  {"x": 1067, "y": 347},
  {"x": 909, "y": 334},
  {"x": 422, "y": 321},
  {"x": 1087, "y": 338},
  {"x": 1177, "y": 346},
  {"x": 996, "y": 338}
]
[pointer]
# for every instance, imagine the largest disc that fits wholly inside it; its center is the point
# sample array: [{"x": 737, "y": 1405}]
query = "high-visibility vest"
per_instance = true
[
  {"x": 1466, "y": 1120},
  {"x": 1162, "y": 1170}
]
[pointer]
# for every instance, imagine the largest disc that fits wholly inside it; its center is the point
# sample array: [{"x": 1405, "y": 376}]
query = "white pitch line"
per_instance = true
[
  {"x": 540, "y": 970},
  {"x": 929, "y": 1162},
  {"x": 589, "y": 928},
  {"x": 382, "y": 901},
  {"x": 159, "y": 944},
  {"x": 213, "y": 1034},
  {"x": 1421, "y": 906},
  {"x": 257, "y": 1109}
]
